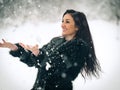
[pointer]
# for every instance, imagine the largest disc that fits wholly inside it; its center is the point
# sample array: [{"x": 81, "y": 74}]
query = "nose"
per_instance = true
[{"x": 62, "y": 25}]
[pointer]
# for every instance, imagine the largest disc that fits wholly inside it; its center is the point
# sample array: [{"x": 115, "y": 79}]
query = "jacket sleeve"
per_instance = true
[
  {"x": 26, "y": 56},
  {"x": 18, "y": 52}
]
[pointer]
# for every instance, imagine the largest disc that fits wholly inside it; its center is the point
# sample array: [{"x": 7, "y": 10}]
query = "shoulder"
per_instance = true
[
  {"x": 81, "y": 42},
  {"x": 82, "y": 45},
  {"x": 57, "y": 39}
]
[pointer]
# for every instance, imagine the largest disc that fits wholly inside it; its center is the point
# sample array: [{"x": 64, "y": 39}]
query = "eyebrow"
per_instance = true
[{"x": 66, "y": 19}]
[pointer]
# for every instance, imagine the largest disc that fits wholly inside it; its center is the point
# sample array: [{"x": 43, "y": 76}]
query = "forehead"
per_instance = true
[{"x": 68, "y": 16}]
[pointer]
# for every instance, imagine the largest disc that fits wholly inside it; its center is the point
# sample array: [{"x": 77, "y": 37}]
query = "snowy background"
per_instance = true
[{"x": 37, "y": 21}]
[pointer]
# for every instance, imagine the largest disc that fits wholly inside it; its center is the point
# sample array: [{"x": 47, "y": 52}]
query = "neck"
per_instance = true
[{"x": 69, "y": 37}]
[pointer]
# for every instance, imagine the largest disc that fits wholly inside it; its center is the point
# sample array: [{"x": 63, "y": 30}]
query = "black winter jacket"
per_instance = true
[{"x": 58, "y": 61}]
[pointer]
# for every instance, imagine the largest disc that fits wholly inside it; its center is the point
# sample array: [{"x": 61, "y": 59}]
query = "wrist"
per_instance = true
[
  {"x": 36, "y": 52},
  {"x": 13, "y": 48}
]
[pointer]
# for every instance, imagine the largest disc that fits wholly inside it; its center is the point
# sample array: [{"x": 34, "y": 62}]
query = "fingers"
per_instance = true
[
  {"x": 3, "y": 41},
  {"x": 22, "y": 45},
  {"x": 2, "y": 44},
  {"x": 29, "y": 47}
]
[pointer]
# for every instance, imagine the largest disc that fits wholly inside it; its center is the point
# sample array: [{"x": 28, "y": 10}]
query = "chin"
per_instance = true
[{"x": 63, "y": 34}]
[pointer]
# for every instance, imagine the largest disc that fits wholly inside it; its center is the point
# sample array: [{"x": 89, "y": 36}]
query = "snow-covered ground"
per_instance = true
[{"x": 14, "y": 75}]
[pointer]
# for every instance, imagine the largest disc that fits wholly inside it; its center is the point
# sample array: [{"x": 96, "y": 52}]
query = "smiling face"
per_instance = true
[{"x": 68, "y": 27}]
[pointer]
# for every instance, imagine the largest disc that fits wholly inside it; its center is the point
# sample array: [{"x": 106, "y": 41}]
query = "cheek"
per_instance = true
[{"x": 72, "y": 28}]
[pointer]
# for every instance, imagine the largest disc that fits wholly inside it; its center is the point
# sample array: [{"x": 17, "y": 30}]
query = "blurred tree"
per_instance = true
[
  {"x": 115, "y": 9},
  {"x": 52, "y": 10}
]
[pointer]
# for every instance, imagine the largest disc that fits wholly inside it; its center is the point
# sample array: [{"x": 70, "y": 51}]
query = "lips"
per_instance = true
[{"x": 64, "y": 30}]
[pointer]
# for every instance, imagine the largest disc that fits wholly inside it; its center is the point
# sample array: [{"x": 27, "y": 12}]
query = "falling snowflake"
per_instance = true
[
  {"x": 39, "y": 6},
  {"x": 90, "y": 55},
  {"x": 46, "y": 53},
  {"x": 56, "y": 86},
  {"x": 29, "y": 12},
  {"x": 14, "y": 12},
  {"x": 91, "y": 47},
  {"x": 29, "y": 1},
  {"x": 47, "y": 66},
  {"x": 75, "y": 64},
  {"x": 63, "y": 75},
  {"x": 20, "y": 7},
  {"x": 39, "y": 88},
  {"x": 61, "y": 55}
]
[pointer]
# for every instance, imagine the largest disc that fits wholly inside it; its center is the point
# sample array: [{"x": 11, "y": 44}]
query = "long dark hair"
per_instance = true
[{"x": 91, "y": 65}]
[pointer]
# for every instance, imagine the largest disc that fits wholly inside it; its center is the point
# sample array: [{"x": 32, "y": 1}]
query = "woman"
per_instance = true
[{"x": 61, "y": 60}]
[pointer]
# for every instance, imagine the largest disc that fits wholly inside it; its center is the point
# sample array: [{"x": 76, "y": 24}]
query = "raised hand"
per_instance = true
[
  {"x": 33, "y": 49},
  {"x": 9, "y": 45}
]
